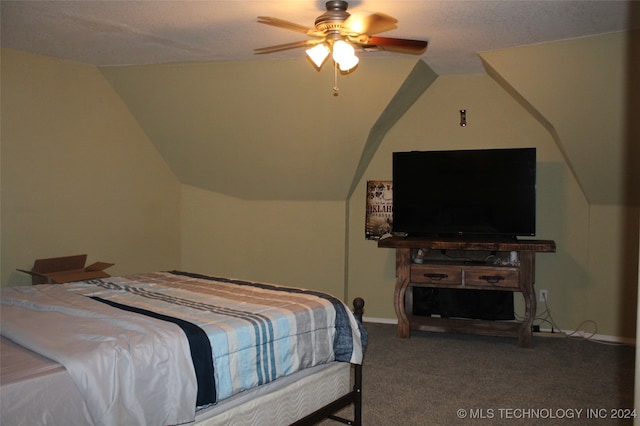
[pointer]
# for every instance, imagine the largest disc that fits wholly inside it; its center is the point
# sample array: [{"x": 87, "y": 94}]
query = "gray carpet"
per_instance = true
[{"x": 445, "y": 379}]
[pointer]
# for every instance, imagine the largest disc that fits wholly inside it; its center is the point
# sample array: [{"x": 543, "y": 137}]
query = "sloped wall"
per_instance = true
[
  {"x": 78, "y": 173},
  {"x": 581, "y": 91},
  {"x": 260, "y": 130}
]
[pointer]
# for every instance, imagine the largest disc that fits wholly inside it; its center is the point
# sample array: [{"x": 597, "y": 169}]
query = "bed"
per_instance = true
[{"x": 172, "y": 347}]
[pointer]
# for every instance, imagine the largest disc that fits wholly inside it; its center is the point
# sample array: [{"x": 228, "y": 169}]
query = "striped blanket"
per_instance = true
[
  {"x": 254, "y": 332},
  {"x": 258, "y": 332}
]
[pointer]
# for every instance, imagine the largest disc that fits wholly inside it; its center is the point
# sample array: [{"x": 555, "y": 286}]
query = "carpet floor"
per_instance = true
[{"x": 447, "y": 379}]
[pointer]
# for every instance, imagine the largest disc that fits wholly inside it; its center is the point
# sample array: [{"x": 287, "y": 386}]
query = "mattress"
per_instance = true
[
  {"x": 37, "y": 391},
  {"x": 284, "y": 401}
]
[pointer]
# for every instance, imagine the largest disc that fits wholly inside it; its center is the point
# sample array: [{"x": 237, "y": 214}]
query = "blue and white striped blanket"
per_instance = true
[{"x": 257, "y": 332}]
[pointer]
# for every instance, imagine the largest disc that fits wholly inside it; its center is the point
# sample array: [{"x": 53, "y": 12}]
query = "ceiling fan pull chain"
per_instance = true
[{"x": 336, "y": 89}]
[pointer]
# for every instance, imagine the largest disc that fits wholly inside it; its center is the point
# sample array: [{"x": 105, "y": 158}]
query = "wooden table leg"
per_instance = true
[
  {"x": 403, "y": 260},
  {"x": 527, "y": 271}
]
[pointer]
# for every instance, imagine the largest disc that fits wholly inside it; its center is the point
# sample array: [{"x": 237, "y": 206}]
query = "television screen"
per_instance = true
[{"x": 465, "y": 193}]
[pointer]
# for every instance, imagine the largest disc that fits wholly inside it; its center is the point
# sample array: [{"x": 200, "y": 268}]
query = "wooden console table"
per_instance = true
[{"x": 461, "y": 264}]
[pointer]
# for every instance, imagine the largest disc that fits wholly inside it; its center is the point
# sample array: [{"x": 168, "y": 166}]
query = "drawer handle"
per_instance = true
[
  {"x": 491, "y": 278},
  {"x": 436, "y": 277}
]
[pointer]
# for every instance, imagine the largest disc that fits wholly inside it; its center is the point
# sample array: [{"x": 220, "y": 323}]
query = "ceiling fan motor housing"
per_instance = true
[{"x": 331, "y": 21}]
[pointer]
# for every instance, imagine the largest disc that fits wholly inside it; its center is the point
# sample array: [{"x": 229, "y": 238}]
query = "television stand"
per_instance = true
[{"x": 465, "y": 264}]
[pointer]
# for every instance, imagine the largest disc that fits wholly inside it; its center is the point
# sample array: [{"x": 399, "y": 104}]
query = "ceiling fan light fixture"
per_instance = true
[
  {"x": 348, "y": 63},
  {"x": 318, "y": 54},
  {"x": 344, "y": 55}
]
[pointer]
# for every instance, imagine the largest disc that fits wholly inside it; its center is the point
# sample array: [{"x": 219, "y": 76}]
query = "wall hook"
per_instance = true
[{"x": 463, "y": 118}]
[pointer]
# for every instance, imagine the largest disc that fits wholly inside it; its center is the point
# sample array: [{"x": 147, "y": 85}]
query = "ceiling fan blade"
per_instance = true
[
  {"x": 281, "y": 23},
  {"x": 369, "y": 23},
  {"x": 400, "y": 45},
  {"x": 286, "y": 46}
]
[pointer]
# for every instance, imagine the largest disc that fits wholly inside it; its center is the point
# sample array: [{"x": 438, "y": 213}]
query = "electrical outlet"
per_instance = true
[{"x": 544, "y": 295}]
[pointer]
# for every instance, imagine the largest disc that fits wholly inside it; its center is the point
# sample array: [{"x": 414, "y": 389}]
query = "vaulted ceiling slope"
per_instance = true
[
  {"x": 104, "y": 32},
  {"x": 585, "y": 92},
  {"x": 260, "y": 130}
]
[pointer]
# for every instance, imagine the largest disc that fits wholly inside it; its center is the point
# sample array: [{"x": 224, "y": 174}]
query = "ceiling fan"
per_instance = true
[{"x": 338, "y": 32}]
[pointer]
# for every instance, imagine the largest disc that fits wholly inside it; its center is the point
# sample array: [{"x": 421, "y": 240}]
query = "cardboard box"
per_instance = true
[{"x": 58, "y": 270}]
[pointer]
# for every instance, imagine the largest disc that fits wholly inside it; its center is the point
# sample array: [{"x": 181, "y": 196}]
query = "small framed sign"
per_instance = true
[{"x": 379, "y": 215}]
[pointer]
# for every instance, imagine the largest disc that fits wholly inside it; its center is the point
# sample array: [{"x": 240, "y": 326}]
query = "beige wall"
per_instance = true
[
  {"x": 612, "y": 270},
  {"x": 295, "y": 243},
  {"x": 78, "y": 174}
]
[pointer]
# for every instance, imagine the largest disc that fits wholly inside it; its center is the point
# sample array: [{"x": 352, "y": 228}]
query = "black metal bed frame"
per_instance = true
[{"x": 354, "y": 397}]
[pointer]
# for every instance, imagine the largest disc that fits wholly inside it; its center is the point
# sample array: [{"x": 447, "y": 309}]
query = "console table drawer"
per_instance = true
[
  {"x": 484, "y": 276},
  {"x": 441, "y": 275}
]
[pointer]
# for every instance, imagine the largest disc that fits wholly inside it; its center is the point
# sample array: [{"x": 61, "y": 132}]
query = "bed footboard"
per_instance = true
[{"x": 354, "y": 397}]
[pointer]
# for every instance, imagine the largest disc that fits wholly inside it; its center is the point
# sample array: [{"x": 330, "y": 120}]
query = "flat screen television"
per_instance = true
[{"x": 482, "y": 193}]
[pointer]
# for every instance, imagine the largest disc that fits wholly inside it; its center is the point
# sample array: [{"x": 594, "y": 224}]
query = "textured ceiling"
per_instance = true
[{"x": 151, "y": 32}]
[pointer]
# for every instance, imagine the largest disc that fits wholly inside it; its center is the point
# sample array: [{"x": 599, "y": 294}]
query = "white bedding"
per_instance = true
[
  {"x": 35, "y": 391},
  {"x": 135, "y": 369}
]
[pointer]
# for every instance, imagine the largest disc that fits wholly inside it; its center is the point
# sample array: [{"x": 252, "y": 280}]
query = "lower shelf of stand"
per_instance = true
[{"x": 465, "y": 326}]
